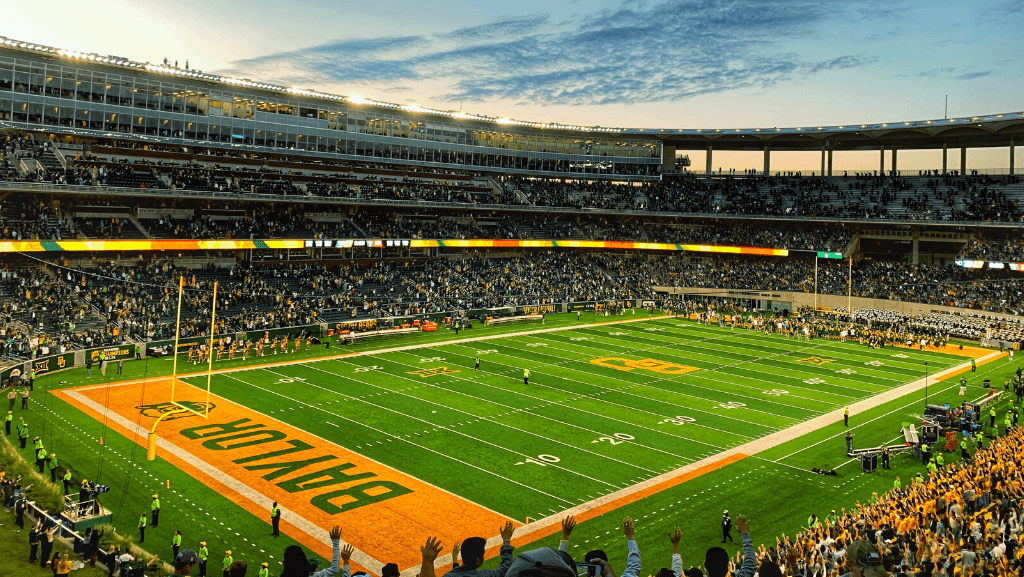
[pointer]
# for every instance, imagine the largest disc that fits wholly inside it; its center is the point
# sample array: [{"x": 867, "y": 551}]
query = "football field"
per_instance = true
[{"x": 419, "y": 441}]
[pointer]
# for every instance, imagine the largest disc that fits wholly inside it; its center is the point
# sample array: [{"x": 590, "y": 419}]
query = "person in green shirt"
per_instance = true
[
  {"x": 67, "y": 481},
  {"x": 939, "y": 459},
  {"x": 155, "y": 507},
  {"x": 138, "y": 352},
  {"x": 896, "y": 484},
  {"x": 264, "y": 570},
  {"x": 175, "y": 543},
  {"x": 203, "y": 554},
  {"x": 981, "y": 439},
  {"x": 8, "y": 420},
  {"x": 142, "y": 528},
  {"x": 226, "y": 563},
  {"x": 275, "y": 519},
  {"x": 37, "y": 443},
  {"x": 22, "y": 432},
  {"x": 41, "y": 458}
]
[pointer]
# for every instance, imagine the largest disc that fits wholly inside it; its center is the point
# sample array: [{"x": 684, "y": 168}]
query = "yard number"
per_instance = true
[
  {"x": 732, "y": 405},
  {"x": 541, "y": 460},
  {"x": 615, "y": 439},
  {"x": 367, "y": 369},
  {"x": 678, "y": 420},
  {"x": 290, "y": 380},
  {"x": 431, "y": 359},
  {"x": 775, "y": 392}
]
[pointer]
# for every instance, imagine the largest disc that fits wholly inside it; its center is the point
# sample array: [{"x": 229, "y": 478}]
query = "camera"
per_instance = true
[
  {"x": 101, "y": 489},
  {"x": 588, "y": 569}
]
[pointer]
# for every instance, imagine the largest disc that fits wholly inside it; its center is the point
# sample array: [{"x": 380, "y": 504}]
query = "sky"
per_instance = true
[{"x": 620, "y": 63}]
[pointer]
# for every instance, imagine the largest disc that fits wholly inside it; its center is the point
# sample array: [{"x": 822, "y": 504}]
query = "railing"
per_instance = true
[
  {"x": 60, "y": 157},
  {"x": 211, "y": 195}
]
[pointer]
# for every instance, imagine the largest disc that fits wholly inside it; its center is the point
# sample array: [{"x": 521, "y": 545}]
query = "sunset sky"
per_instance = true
[{"x": 685, "y": 64}]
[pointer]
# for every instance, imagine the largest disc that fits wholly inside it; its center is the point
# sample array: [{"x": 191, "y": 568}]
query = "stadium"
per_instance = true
[{"x": 249, "y": 312}]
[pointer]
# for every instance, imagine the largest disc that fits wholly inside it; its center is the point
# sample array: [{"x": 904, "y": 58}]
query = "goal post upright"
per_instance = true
[
  {"x": 213, "y": 335},
  {"x": 177, "y": 335}
]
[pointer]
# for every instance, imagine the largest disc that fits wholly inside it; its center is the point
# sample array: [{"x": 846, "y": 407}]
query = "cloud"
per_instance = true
[{"x": 635, "y": 52}]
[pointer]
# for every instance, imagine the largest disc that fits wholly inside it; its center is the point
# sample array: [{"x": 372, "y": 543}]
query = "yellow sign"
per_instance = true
[
  {"x": 433, "y": 372},
  {"x": 817, "y": 361},
  {"x": 653, "y": 365}
]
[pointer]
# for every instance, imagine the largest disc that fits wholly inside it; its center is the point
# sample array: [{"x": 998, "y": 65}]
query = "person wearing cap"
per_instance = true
[
  {"x": 184, "y": 561},
  {"x": 142, "y": 528},
  {"x": 716, "y": 560},
  {"x": 41, "y": 458},
  {"x": 275, "y": 519},
  {"x": 264, "y": 570},
  {"x": 7, "y": 422},
  {"x": 226, "y": 562},
  {"x": 51, "y": 464},
  {"x": 24, "y": 398},
  {"x": 175, "y": 543},
  {"x": 155, "y": 508},
  {"x": 726, "y": 526},
  {"x": 203, "y": 554},
  {"x": 12, "y": 396},
  {"x": 67, "y": 481},
  {"x": 22, "y": 432}
]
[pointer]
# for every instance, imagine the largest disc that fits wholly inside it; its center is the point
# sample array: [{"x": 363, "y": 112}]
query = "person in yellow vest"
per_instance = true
[
  {"x": 275, "y": 519},
  {"x": 142, "y": 528},
  {"x": 67, "y": 481},
  {"x": 228, "y": 559},
  {"x": 176, "y": 543},
  {"x": 204, "y": 555},
  {"x": 155, "y": 507},
  {"x": 7, "y": 422},
  {"x": 264, "y": 570},
  {"x": 103, "y": 363},
  {"x": 526, "y": 376},
  {"x": 52, "y": 466},
  {"x": 41, "y": 459}
]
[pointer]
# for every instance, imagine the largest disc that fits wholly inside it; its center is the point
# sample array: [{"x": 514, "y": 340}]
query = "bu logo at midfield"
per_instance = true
[{"x": 653, "y": 365}]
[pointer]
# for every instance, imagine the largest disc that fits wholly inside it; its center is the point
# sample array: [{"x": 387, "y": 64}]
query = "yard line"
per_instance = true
[
  {"x": 659, "y": 379},
  {"x": 608, "y": 389},
  {"x": 805, "y": 369},
  {"x": 488, "y": 419},
  {"x": 513, "y": 408},
  {"x": 451, "y": 430},
  {"x": 579, "y": 395},
  {"x": 681, "y": 380},
  {"x": 852, "y": 353},
  {"x": 398, "y": 438}
]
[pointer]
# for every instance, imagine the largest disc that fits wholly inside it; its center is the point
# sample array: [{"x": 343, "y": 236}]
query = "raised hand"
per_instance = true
[
  {"x": 627, "y": 528},
  {"x": 336, "y": 532},
  {"x": 346, "y": 553},
  {"x": 431, "y": 550},
  {"x": 742, "y": 525},
  {"x": 507, "y": 531},
  {"x": 568, "y": 524}
]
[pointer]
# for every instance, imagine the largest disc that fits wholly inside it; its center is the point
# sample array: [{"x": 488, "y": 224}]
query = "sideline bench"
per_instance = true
[{"x": 518, "y": 319}]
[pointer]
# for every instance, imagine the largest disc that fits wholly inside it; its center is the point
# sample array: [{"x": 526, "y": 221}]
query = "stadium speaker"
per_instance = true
[{"x": 868, "y": 463}]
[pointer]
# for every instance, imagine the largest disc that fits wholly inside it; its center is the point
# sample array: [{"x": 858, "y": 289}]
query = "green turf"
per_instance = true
[{"x": 577, "y": 431}]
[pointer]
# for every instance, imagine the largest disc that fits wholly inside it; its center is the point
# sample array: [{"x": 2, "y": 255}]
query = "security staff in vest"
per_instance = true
[
  {"x": 41, "y": 458},
  {"x": 964, "y": 455},
  {"x": 176, "y": 543},
  {"x": 67, "y": 481},
  {"x": 22, "y": 432},
  {"x": 885, "y": 456},
  {"x": 992, "y": 417},
  {"x": 275, "y": 519},
  {"x": 203, "y": 554},
  {"x": 51, "y": 464},
  {"x": 726, "y": 526},
  {"x": 142, "y": 528},
  {"x": 155, "y": 507},
  {"x": 926, "y": 453},
  {"x": 7, "y": 422}
]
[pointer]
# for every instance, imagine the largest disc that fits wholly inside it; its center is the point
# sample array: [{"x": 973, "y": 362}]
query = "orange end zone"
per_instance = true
[
  {"x": 253, "y": 460},
  {"x": 979, "y": 362},
  {"x": 599, "y": 507}
]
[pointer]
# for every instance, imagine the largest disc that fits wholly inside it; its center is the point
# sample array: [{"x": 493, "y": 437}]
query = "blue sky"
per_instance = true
[{"x": 632, "y": 63}]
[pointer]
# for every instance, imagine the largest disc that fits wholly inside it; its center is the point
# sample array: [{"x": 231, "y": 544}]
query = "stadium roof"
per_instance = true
[{"x": 974, "y": 131}]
